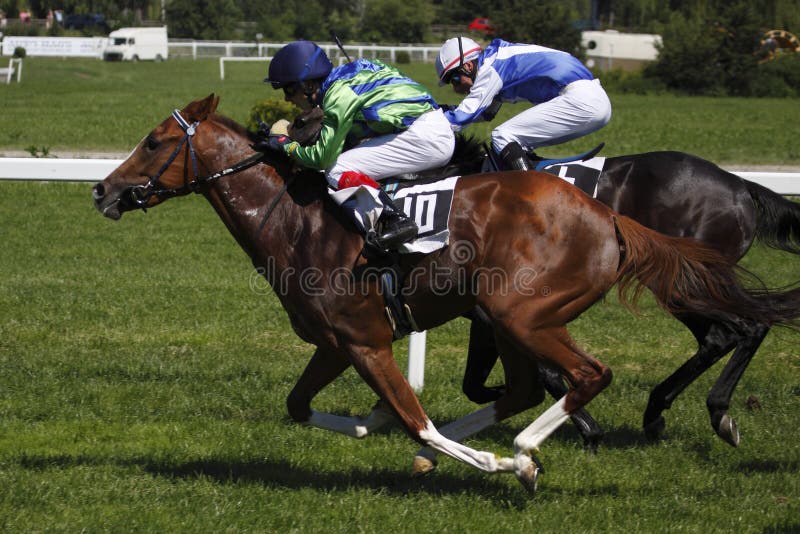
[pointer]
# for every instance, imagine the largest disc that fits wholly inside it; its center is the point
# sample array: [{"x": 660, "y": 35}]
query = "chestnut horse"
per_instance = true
[
  {"x": 555, "y": 250},
  {"x": 680, "y": 195}
]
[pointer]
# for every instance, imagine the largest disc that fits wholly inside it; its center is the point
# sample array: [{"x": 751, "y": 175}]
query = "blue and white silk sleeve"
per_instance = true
[{"x": 487, "y": 85}]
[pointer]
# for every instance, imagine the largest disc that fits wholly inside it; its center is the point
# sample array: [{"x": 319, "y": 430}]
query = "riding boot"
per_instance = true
[
  {"x": 394, "y": 226},
  {"x": 514, "y": 158}
]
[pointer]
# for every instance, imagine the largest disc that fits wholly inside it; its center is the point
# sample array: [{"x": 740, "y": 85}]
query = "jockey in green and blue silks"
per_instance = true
[{"x": 377, "y": 123}]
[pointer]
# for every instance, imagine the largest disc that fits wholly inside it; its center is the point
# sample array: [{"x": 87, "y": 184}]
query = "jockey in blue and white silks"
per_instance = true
[{"x": 569, "y": 101}]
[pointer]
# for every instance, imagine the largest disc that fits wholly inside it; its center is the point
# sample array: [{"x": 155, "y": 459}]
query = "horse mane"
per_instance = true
[
  {"x": 468, "y": 155},
  {"x": 233, "y": 125}
]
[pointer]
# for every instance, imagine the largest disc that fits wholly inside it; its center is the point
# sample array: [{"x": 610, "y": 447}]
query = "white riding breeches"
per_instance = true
[
  {"x": 428, "y": 143},
  {"x": 582, "y": 108}
]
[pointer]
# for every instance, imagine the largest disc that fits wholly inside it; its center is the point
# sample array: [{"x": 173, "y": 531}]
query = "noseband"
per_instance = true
[{"x": 140, "y": 194}]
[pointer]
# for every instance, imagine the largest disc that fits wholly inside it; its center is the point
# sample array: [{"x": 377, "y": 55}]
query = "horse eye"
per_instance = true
[{"x": 151, "y": 143}]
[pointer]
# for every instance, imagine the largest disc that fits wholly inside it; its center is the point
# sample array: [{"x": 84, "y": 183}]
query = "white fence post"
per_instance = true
[{"x": 416, "y": 360}]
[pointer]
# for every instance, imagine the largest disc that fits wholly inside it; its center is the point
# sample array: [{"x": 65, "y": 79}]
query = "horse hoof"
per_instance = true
[
  {"x": 529, "y": 477},
  {"x": 655, "y": 428},
  {"x": 422, "y": 466},
  {"x": 527, "y": 470},
  {"x": 728, "y": 431}
]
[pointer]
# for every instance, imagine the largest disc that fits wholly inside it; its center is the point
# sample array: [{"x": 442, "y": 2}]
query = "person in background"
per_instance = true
[
  {"x": 377, "y": 123},
  {"x": 568, "y": 101}
]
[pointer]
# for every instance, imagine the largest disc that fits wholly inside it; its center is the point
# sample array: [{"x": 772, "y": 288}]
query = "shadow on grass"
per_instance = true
[
  {"x": 770, "y": 466},
  {"x": 623, "y": 437},
  {"x": 277, "y": 474}
]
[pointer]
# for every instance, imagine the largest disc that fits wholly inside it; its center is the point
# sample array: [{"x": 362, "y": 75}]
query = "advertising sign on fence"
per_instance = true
[{"x": 56, "y": 46}]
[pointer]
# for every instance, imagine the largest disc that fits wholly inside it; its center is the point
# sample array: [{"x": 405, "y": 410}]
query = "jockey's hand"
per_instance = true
[
  {"x": 263, "y": 129},
  {"x": 271, "y": 143},
  {"x": 280, "y": 127},
  {"x": 448, "y": 107}
]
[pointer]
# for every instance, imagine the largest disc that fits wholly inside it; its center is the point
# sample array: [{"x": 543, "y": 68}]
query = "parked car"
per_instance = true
[
  {"x": 481, "y": 25},
  {"x": 85, "y": 21}
]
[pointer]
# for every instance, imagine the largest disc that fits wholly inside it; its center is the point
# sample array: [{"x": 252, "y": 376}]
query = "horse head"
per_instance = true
[{"x": 164, "y": 164}]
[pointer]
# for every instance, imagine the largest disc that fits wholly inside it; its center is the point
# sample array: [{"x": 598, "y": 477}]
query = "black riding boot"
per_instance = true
[
  {"x": 394, "y": 227},
  {"x": 514, "y": 158}
]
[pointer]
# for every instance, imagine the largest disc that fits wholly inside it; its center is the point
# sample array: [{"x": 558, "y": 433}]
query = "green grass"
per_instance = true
[
  {"x": 144, "y": 370},
  {"x": 85, "y": 104},
  {"x": 144, "y": 377}
]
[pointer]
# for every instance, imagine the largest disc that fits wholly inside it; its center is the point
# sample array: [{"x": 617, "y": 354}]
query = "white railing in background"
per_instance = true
[
  {"x": 52, "y": 169},
  {"x": 94, "y": 46},
  {"x": 196, "y": 49},
  {"x": 223, "y": 59},
  {"x": 94, "y": 170}
]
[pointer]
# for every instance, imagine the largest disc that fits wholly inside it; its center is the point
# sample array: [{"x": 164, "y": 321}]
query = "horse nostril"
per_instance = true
[{"x": 98, "y": 192}]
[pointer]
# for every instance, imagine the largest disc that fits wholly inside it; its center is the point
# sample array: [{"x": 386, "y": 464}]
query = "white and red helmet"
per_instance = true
[{"x": 453, "y": 54}]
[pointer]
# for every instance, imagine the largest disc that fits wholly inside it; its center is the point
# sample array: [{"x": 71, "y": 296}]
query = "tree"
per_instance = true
[
  {"x": 710, "y": 55},
  {"x": 202, "y": 19},
  {"x": 536, "y": 21},
  {"x": 686, "y": 57},
  {"x": 403, "y": 21}
]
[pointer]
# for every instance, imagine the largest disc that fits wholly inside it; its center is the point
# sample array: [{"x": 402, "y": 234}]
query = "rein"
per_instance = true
[{"x": 140, "y": 195}]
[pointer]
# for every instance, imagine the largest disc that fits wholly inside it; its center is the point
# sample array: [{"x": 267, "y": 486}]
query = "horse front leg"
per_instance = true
[
  {"x": 379, "y": 370},
  {"x": 324, "y": 367},
  {"x": 481, "y": 358}
]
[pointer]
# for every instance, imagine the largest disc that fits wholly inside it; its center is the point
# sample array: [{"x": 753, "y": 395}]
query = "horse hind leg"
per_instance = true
[
  {"x": 587, "y": 376},
  {"x": 719, "y": 398},
  {"x": 587, "y": 427},
  {"x": 714, "y": 341},
  {"x": 482, "y": 356}
]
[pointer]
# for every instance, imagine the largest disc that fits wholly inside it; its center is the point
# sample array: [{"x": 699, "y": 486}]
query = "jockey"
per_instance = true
[
  {"x": 569, "y": 102},
  {"x": 377, "y": 123}
]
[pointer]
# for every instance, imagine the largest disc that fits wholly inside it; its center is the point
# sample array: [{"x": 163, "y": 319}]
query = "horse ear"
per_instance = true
[{"x": 200, "y": 109}]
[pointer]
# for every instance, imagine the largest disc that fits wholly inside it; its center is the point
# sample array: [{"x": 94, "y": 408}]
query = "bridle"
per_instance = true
[{"x": 140, "y": 194}]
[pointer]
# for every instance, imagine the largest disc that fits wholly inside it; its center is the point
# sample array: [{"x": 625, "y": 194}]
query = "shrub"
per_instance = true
[
  {"x": 402, "y": 57},
  {"x": 779, "y": 77},
  {"x": 629, "y": 82},
  {"x": 269, "y": 111},
  {"x": 20, "y": 52},
  {"x": 22, "y": 30}
]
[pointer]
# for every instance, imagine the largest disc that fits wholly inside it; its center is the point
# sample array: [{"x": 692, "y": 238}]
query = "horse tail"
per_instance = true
[
  {"x": 687, "y": 276},
  {"x": 778, "y": 222}
]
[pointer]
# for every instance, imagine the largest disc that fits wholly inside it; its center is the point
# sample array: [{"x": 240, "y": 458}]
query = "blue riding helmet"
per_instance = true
[{"x": 296, "y": 62}]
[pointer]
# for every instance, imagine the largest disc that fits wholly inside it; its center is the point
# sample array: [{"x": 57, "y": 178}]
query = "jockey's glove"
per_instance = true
[
  {"x": 272, "y": 142},
  {"x": 448, "y": 107}
]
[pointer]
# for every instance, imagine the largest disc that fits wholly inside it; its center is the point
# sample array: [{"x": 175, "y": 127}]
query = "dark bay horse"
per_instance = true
[
  {"x": 532, "y": 228},
  {"x": 680, "y": 195}
]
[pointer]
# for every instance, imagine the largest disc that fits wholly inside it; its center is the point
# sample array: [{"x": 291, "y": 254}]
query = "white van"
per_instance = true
[{"x": 133, "y": 44}]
